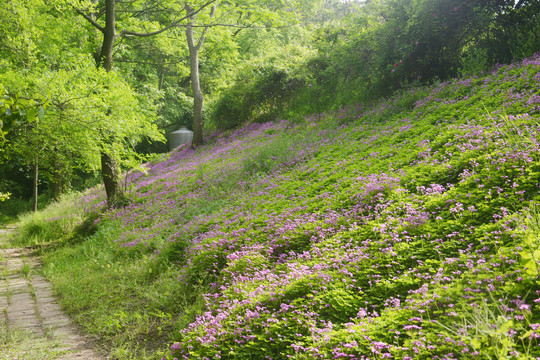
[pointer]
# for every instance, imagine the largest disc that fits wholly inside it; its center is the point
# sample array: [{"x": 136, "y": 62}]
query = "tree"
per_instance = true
[
  {"x": 110, "y": 172},
  {"x": 239, "y": 15},
  {"x": 198, "y": 97},
  {"x": 16, "y": 111},
  {"x": 90, "y": 111}
]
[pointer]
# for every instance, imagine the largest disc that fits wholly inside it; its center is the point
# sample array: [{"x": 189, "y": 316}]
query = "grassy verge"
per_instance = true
[
  {"x": 113, "y": 291},
  {"x": 22, "y": 344},
  {"x": 54, "y": 225}
]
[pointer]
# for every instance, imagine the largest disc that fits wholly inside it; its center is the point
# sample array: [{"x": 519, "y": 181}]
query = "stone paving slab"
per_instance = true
[
  {"x": 27, "y": 302},
  {"x": 43, "y": 294},
  {"x": 45, "y": 300},
  {"x": 58, "y": 322},
  {"x": 22, "y": 298},
  {"x": 26, "y": 314}
]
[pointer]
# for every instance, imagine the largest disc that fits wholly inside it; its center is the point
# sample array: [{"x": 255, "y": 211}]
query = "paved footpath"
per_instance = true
[{"x": 27, "y": 303}]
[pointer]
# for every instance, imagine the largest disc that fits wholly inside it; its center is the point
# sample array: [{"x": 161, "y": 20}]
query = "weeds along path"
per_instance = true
[{"x": 32, "y": 324}]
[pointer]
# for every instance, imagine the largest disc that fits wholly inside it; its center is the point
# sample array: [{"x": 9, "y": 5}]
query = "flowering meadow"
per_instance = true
[{"x": 404, "y": 229}]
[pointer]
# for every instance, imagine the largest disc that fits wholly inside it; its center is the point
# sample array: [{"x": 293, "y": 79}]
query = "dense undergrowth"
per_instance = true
[{"x": 406, "y": 229}]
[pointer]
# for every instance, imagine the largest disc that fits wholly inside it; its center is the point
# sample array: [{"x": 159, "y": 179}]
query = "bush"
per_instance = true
[{"x": 260, "y": 98}]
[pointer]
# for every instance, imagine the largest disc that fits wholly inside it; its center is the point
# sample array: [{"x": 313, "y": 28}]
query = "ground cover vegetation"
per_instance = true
[
  {"x": 367, "y": 186},
  {"x": 402, "y": 229},
  {"x": 20, "y": 344}
]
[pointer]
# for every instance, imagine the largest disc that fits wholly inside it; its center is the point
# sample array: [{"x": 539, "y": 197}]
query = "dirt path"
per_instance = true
[{"x": 28, "y": 306}]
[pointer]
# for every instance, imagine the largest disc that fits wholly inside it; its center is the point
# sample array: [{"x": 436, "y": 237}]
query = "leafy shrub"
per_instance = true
[{"x": 262, "y": 98}]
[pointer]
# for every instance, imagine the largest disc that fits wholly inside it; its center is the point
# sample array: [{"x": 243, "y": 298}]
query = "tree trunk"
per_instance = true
[
  {"x": 109, "y": 35},
  {"x": 109, "y": 167},
  {"x": 111, "y": 180},
  {"x": 198, "y": 97},
  {"x": 35, "y": 185}
]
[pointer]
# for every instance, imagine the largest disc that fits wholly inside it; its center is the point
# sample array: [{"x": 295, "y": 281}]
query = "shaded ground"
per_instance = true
[{"x": 32, "y": 323}]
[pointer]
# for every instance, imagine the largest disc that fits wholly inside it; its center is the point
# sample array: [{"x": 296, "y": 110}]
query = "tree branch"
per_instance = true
[
  {"x": 237, "y": 26},
  {"x": 174, "y": 24},
  {"x": 90, "y": 20},
  {"x": 205, "y": 31},
  {"x": 150, "y": 63}
]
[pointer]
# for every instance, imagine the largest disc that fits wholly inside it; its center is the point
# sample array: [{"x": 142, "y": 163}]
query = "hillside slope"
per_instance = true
[{"x": 389, "y": 231}]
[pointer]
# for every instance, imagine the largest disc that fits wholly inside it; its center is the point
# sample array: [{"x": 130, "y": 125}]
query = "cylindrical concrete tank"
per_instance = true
[{"x": 180, "y": 137}]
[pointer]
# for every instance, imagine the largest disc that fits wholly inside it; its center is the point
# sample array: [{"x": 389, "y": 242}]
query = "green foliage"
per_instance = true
[
  {"x": 21, "y": 343},
  {"x": 530, "y": 254},
  {"x": 89, "y": 111},
  {"x": 269, "y": 156},
  {"x": 49, "y": 75},
  {"x": 177, "y": 109},
  {"x": 335, "y": 234},
  {"x": 11, "y": 208},
  {"x": 380, "y": 47},
  {"x": 474, "y": 61},
  {"x": 14, "y": 110},
  {"x": 264, "y": 89},
  {"x": 62, "y": 219}
]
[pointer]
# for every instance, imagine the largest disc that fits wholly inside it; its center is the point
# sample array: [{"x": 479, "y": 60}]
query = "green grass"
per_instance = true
[
  {"x": 25, "y": 270},
  {"x": 10, "y": 209},
  {"x": 132, "y": 318},
  {"x": 22, "y": 344},
  {"x": 53, "y": 225}
]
